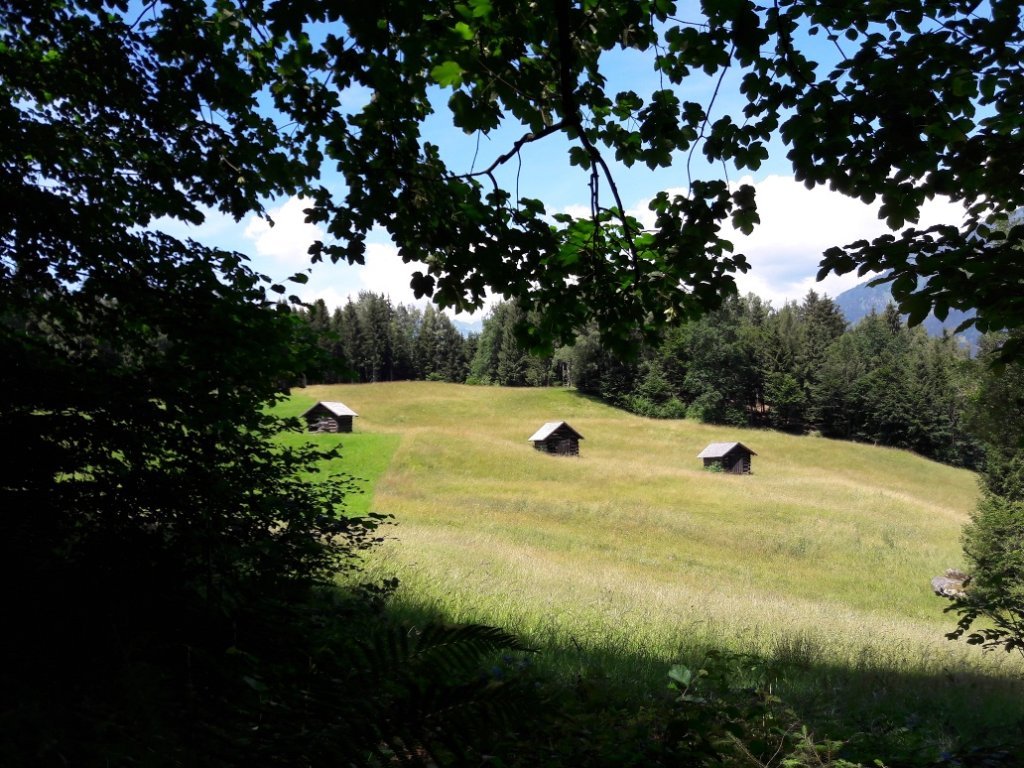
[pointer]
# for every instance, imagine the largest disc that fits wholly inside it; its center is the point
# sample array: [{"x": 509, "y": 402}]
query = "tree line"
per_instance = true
[
  {"x": 798, "y": 368},
  {"x": 371, "y": 339}
]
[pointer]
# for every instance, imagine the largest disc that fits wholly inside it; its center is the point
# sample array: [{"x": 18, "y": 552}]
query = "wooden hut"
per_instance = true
[
  {"x": 731, "y": 457},
  {"x": 557, "y": 437},
  {"x": 329, "y": 417}
]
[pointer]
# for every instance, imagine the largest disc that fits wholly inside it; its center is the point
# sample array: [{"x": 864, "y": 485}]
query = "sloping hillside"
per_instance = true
[{"x": 828, "y": 547}]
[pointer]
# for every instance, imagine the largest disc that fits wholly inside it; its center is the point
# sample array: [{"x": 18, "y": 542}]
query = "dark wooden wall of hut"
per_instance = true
[
  {"x": 562, "y": 441},
  {"x": 568, "y": 446},
  {"x": 322, "y": 420},
  {"x": 736, "y": 462}
]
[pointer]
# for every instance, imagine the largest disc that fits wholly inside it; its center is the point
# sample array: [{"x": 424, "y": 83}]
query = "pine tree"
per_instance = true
[
  {"x": 374, "y": 314},
  {"x": 404, "y": 333},
  {"x": 450, "y": 354},
  {"x": 352, "y": 344}
]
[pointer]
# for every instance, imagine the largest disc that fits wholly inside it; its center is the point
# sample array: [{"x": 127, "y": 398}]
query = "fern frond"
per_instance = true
[{"x": 431, "y": 691}]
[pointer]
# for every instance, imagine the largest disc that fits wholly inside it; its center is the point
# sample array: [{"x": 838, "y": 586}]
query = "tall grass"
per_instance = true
[{"x": 632, "y": 557}]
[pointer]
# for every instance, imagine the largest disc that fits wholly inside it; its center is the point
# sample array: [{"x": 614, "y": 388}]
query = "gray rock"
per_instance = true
[{"x": 953, "y": 585}]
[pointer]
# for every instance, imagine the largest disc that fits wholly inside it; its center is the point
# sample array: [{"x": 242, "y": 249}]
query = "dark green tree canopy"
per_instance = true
[{"x": 162, "y": 110}]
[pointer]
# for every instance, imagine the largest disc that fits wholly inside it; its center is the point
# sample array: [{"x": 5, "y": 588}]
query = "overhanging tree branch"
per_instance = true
[
  {"x": 521, "y": 142},
  {"x": 570, "y": 107}
]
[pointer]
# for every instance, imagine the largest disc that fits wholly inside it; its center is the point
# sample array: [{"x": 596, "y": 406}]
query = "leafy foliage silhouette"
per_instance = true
[{"x": 158, "y": 526}]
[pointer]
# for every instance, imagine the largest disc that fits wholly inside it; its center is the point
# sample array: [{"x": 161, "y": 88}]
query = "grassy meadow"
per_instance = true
[{"x": 631, "y": 557}]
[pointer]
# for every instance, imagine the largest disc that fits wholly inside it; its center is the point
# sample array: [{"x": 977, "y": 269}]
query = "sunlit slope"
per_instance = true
[{"x": 826, "y": 539}]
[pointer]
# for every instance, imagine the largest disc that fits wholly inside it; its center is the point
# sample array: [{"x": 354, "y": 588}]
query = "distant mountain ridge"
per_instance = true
[
  {"x": 466, "y": 327},
  {"x": 863, "y": 299}
]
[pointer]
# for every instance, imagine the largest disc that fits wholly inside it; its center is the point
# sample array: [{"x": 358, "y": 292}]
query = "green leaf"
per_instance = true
[
  {"x": 745, "y": 220},
  {"x": 682, "y": 675},
  {"x": 464, "y": 116},
  {"x": 447, "y": 74},
  {"x": 257, "y": 685},
  {"x": 579, "y": 156},
  {"x": 964, "y": 85},
  {"x": 917, "y": 308}
]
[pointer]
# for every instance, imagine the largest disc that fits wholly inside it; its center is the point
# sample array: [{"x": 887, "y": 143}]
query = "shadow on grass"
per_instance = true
[{"x": 949, "y": 717}]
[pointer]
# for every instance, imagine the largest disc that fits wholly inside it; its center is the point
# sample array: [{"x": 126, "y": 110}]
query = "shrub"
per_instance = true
[{"x": 994, "y": 546}]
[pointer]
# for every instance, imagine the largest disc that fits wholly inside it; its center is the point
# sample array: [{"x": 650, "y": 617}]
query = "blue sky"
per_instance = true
[{"x": 796, "y": 224}]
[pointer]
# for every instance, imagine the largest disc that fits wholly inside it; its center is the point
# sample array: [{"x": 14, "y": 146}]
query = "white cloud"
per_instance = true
[
  {"x": 797, "y": 226},
  {"x": 784, "y": 250},
  {"x": 385, "y": 272},
  {"x": 215, "y": 224},
  {"x": 582, "y": 211},
  {"x": 286, "y": 245},
  {"x": 282, "y": 249},
  {"x": 333, "y": 298},
  {"x": 288, "y": 240}
]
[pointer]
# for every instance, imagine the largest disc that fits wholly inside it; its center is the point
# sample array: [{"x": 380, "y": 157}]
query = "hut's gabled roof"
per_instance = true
[
  {"x": 719, "y": 450},
  {"x": 546, "y": 431},
  {"x": 338, "y": 409}
]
